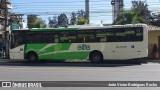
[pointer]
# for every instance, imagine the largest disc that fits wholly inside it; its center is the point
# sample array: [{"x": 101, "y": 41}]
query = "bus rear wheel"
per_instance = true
[
  {"x": 96, "y": 57},
  {"x": 32, "y": 57}
]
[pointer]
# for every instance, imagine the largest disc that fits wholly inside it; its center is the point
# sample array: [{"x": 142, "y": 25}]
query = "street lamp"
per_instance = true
[
  {"x": 112, "y": 2},
  {"x": 113, "y": 13}
]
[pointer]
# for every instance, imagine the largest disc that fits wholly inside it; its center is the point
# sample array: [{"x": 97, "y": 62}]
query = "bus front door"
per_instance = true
[{"x": 17, "y": 53}]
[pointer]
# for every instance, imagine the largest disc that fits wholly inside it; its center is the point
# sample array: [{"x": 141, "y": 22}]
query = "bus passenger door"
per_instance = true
[
  {"x": 17, "y": 53},
  {"x": 16, "y": 46}
]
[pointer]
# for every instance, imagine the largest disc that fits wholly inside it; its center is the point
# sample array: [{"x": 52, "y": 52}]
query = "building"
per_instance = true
[
  {"x": 16, "y": 21},
  {"x": 153, "y": 38}
]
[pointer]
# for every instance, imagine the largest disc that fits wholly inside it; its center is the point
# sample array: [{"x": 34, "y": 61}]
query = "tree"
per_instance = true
[
  {"x": 40, "y": 23},
  {"x": 62, "y": 20},
  {"x": 34, "y": 21},
  {"x": 73, "y": 18},
  {"x": 52, "y": 22},
  {"x": 82, "y": 19},
  {"x": 139, "y": 13},
  {"x": 124, "y": 18},
  {"x": 141, "y": 8},
  {"x": 155, "y": 20}
]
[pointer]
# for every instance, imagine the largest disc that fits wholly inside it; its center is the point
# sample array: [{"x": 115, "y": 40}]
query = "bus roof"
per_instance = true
[
  {"x": 82, "y": 27},
  {"x": 53, "y": 29}
]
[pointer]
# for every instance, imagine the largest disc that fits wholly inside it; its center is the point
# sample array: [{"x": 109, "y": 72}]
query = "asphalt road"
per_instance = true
[{"x": 80, "y": 71}]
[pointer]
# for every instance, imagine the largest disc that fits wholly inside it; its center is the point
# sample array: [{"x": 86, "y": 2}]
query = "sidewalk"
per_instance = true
[
  {"x": 154, "y": 60},
  {"x": 157, "y": 60}
]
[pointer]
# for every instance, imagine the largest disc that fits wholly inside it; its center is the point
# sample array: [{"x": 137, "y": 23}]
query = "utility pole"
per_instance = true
[
  {"x": 87, "y": 9},
  {"x": 6, "y": 20},
  {"x": 5, "y": 28},
  {"x": 7, "y": 5},
  {"x": 117, "y": 5},
  {"x": 113, "y": 11}
]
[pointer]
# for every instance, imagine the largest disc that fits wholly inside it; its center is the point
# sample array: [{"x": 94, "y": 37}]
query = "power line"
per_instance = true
[
  {"x": 98, "y": 8},
  {"x": 58, "y": 2}
]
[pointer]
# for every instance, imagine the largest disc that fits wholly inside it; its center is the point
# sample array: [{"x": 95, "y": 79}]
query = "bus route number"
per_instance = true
[{"x": 83, "y": 47}]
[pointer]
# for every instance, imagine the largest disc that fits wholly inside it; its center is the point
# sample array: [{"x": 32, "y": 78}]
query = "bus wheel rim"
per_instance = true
[
  {"x": 96, "y": 58},
  {"x": 32, "y": 57}
]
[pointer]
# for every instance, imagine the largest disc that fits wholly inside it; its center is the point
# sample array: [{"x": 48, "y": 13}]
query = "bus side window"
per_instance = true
[
  {"x": 98, "y": 39},
  {"x": 110, "y": 36},
  {"x": 81, "y": 37},
  {"x": 110, "y": 39},
  {"x": 68, "y": 36},
  {"x": 100, "y": 36},
  {"x": 84, "y": 36},
  {"x": 139, "y": 34},
  {"x": 80, "y": 40},
  {"x": 120, "y": 35},
  {"x": 72, "y": 38}
]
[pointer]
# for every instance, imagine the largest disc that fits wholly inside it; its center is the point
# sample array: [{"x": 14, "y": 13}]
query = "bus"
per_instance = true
[{"x": 94, "y": 43}]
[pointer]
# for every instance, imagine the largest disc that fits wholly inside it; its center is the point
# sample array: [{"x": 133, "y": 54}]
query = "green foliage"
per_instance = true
[
  {"x": 124, "y": 18},
  {"x": 73, "y": 18},
  {"x": 137, "y": 19},
  {"x": 34, "y": 22},
  {"x": 82, "y": 21},
  {"x": 155, "y": 20},
  {"x": 62, "y": 20},
  {"x": 79, "y": 18},
  {"x": 52, "y": 22},
  {"x": 139, "y": 13},
  {"x": 40, "y": 24}
]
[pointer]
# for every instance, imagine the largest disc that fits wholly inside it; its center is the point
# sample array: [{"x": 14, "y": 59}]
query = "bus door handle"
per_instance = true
[{"x": 113, "y": 51}]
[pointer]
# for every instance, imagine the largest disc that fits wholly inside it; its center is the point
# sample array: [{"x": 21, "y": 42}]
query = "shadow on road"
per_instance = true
[{"x": 108, "y": 63}]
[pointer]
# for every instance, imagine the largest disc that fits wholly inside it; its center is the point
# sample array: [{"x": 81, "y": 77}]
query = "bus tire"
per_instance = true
[
  {"x": 96, "y": 57},
  {"x": 32, "y": 57}
]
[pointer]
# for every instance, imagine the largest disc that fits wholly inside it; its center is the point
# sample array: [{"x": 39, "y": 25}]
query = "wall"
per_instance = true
[{"x": 152, "y": 39}]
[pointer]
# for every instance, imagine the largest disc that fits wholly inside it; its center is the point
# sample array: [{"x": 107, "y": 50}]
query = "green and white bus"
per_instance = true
[{"x": 94, "y": 43}]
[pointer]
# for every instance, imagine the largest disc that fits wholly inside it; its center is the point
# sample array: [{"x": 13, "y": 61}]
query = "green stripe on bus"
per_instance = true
[
  {"x": 56, "y": 47},
  {"x": 34, "y": 47},
  {"x": 65, "y": 55},
  {"x": 56, "y": 51}
]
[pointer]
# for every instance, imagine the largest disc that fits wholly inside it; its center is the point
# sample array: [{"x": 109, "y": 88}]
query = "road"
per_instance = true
[{"x": 80, "y": 71}]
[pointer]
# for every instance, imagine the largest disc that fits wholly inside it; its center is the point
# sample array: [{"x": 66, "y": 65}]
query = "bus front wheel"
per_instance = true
[
  {"x": 96, "y": 57},
  {"x": 32, "y": 57}
]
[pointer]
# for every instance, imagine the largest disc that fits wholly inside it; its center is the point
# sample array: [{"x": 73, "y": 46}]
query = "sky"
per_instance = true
[{"x": 100, "y": 10}]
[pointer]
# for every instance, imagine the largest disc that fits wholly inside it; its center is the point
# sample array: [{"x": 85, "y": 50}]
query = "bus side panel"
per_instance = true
[
  {"x": 113, "y": 50},
  {"x": 125, "y": 50}
]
